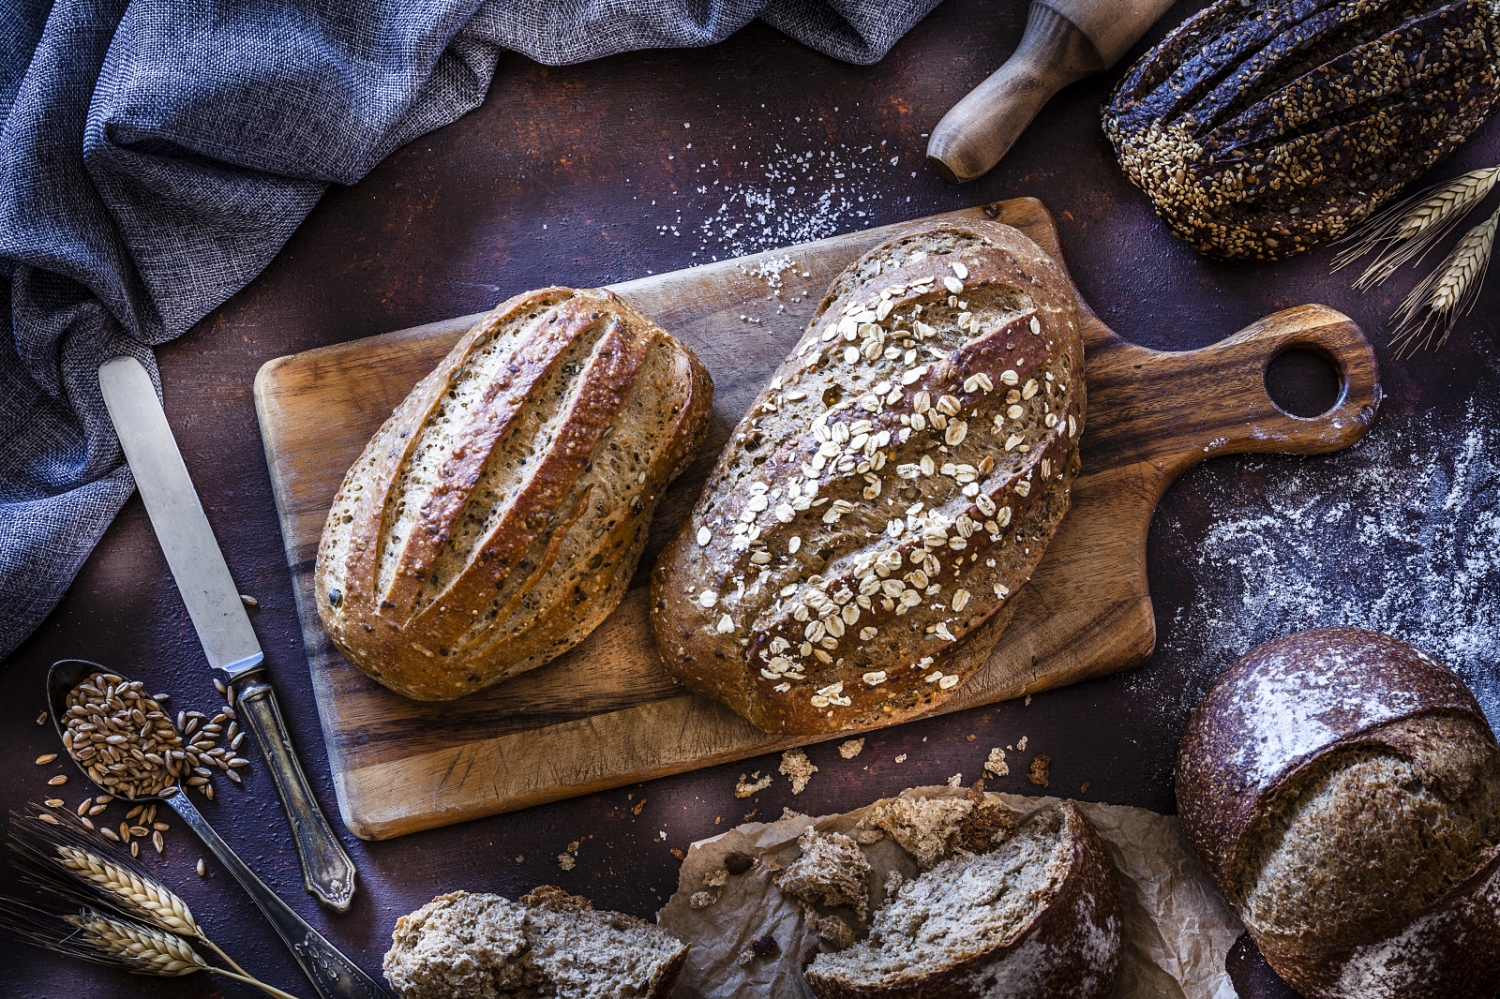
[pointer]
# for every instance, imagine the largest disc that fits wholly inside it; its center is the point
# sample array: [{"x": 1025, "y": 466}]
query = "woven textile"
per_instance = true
[{"x": 155, "y": 155}]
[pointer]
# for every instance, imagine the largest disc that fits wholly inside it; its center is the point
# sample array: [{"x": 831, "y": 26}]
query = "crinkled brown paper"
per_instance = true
[{"x": 1177, "y": 927}]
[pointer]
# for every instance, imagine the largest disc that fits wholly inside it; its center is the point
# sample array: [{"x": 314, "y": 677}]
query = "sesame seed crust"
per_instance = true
[
  {"x": 1260, "y": 128},
  {"x": 870, "y": 520}
]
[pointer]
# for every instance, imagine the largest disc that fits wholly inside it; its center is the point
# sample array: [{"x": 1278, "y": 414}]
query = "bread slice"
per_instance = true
[
  {"x": 932, "y": 828},
  {"x": 497, "y": 517},
  {"x": 854, "y": 554},
  {"x": 1038, "y": 917},
  {"x": 550, "y": 943}
]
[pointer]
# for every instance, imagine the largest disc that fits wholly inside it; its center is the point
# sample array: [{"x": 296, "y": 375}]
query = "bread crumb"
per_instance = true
[
  {"x": 750, "y": 815},
  {"x": 893, "y": 882},
  {"x": 748, "y": 786},
  {"x": 1084, "y": 787},
  {"x": 737, "y": 863},
  {"x": 1041, "y": 770},
  {"x": 1021, "y": 744},
  {"x": 996, "y": 765},
  {"x": 764, "y": 947},
  {"x": 798, "y": 768},
  {"x": 833, "y": 929},
  {"x": 957, "y": 780},
  {"x": 864, "y": 837},
  {"x": 573, "y": 846},
  {"x": 1028, "y": 701},
  {"x": 718, "y": 879},
  {"x": 970, "y": 737},
  {"x": 701, "y": 900},
  {"x": 635, "y": 809},
  {"x": 677, "y": 853},
  {"x": 901, "y": 758},
  {"x": 791, "y": 813},
  {"x": 849, "y": 750},
  {"x": 566, "y": 861}
]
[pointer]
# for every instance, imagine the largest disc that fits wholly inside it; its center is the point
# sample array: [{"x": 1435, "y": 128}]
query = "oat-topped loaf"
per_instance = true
[
  {"x": 854, "y": 553},
  {"x": 497, "y": 517},
  {"x": 549, "y": 943},
  {"x": 1260, "y": 127}
]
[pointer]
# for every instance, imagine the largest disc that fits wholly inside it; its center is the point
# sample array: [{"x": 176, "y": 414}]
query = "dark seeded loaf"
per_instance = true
[
  {"x": 1260, "y": 127},
  {"x": 1033, "y": 915},
  {"x": 497, "y": 517},
  {"x": 855, "y": 552},
  {"x": 1344, "y": 790}
]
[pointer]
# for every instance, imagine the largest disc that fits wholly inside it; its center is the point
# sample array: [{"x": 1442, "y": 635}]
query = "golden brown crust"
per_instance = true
[
  {"x": 853, "y": 554},
  {"x": 497, "y": 517}
]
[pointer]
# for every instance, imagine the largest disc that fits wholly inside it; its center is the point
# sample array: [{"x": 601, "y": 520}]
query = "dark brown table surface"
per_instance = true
[{"x": 654, "y": 161}]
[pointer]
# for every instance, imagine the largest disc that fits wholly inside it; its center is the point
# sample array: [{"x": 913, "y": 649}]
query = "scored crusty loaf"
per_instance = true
[
  {"x": 497, "y": 517},
  {"x": 549, "y": 943},
  {"x": 852, "y": 557},
  {"x": 1036, "y": 917},
  {"x": 1261, "y": 127},
  {"x": 1344, "y": 790}
]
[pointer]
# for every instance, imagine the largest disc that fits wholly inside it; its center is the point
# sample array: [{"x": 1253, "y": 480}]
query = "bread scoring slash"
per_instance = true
[
  {"x": 854, "y": 554},
  {"x": 497, "y": 517}
]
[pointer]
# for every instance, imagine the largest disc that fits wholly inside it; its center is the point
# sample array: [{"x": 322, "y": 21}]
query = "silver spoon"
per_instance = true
[{"x": 331, "y": 973}]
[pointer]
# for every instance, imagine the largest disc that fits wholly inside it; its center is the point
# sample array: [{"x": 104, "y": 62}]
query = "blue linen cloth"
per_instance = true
[{"x": 156, "y": 154}]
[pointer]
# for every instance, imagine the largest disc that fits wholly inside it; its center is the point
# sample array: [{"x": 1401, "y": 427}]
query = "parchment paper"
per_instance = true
[{"x": 1177, "y": 927}]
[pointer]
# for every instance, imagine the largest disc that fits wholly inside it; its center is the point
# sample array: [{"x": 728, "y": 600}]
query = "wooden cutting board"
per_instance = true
[{"x": 607, "y": 713}]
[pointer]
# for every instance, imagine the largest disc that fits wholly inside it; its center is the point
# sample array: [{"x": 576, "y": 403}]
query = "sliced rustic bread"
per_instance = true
[
  {"x": 854, "y": 553},
  {"x": 550, "y": 943},
  {"x": 497, "y": 517},
  {"x": 1037, "y": 917}
]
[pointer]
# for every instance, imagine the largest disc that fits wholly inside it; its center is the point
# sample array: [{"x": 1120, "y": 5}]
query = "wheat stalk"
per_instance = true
[
  {"x": 143, "y": 949},
  {"x": 60, "y": 859},
  {"x": 1448, "y": 292},
  {"x": 1408, "y": 230},
  {"x": 100, "y": 938}
]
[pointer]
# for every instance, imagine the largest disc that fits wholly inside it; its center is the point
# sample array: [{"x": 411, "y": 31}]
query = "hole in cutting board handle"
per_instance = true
[{"x": 1304, "y": 381}]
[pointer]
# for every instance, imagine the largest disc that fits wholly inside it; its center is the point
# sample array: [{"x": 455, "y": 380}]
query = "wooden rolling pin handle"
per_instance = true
[{"x": 981, "y": 128}]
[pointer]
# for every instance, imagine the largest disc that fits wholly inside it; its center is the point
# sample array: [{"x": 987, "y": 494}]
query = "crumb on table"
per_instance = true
[
  {"x": 852, "y": 748},
  {"x": 996, "y": 765},
  {"x": 798, "y": 769},
  {"x": 748, "y": 786},
  {"x": 1041, "y": 770}
]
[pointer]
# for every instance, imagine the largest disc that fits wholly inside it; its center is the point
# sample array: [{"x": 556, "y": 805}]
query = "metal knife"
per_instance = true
[{"x": 218, "y": 615}]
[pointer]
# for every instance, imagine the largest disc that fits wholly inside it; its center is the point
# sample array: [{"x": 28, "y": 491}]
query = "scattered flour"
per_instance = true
[{"x": 1400, "y": 534}]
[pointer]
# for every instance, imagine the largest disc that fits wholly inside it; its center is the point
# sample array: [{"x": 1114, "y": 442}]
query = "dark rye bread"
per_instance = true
[
  {"x": 497, "y": 517},
  {"x": 1036, "y": 917},
  {"x": 1344, "y": 790},
  {"x": 854, "y": 553},
  {"x": 1260, "y": 127},
  {"x": 548, "y": 943}
]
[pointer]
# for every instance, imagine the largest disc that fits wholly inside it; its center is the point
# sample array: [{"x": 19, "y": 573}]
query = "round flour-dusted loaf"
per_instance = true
[
  {"x": 497, "y": 517},
  {"x": 1344, "y": 790},
  {"x": 1036, "y": 917},
  {"x": 854, "y": 555},
  {"x": 549, "y": 943}
]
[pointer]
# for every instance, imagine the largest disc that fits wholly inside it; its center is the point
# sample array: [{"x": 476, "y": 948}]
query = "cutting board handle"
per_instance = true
[{"x": 1214, "y": 400}]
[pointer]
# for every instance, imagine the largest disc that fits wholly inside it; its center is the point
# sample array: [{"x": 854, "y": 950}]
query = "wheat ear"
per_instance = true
[
  {"x": 61, "y": 859},
  {"x": 99, "y": 938},
  {"x": 1448, "y": 292},
  {"x": 1408, "y": 230}
]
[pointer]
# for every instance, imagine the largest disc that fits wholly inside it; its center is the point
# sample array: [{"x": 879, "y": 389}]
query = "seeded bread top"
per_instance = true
[
  {"x": 864, "y": 520},
  {"x": 1260, "y": 127}
]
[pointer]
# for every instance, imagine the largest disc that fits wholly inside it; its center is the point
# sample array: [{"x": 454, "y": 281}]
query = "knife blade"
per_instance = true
[{"x": 218, "y": 615}]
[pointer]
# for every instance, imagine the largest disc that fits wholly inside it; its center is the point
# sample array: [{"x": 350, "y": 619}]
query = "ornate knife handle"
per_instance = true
[
  {"x": 331, "y": 973},
  {"x": 327, "y": 872}
]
